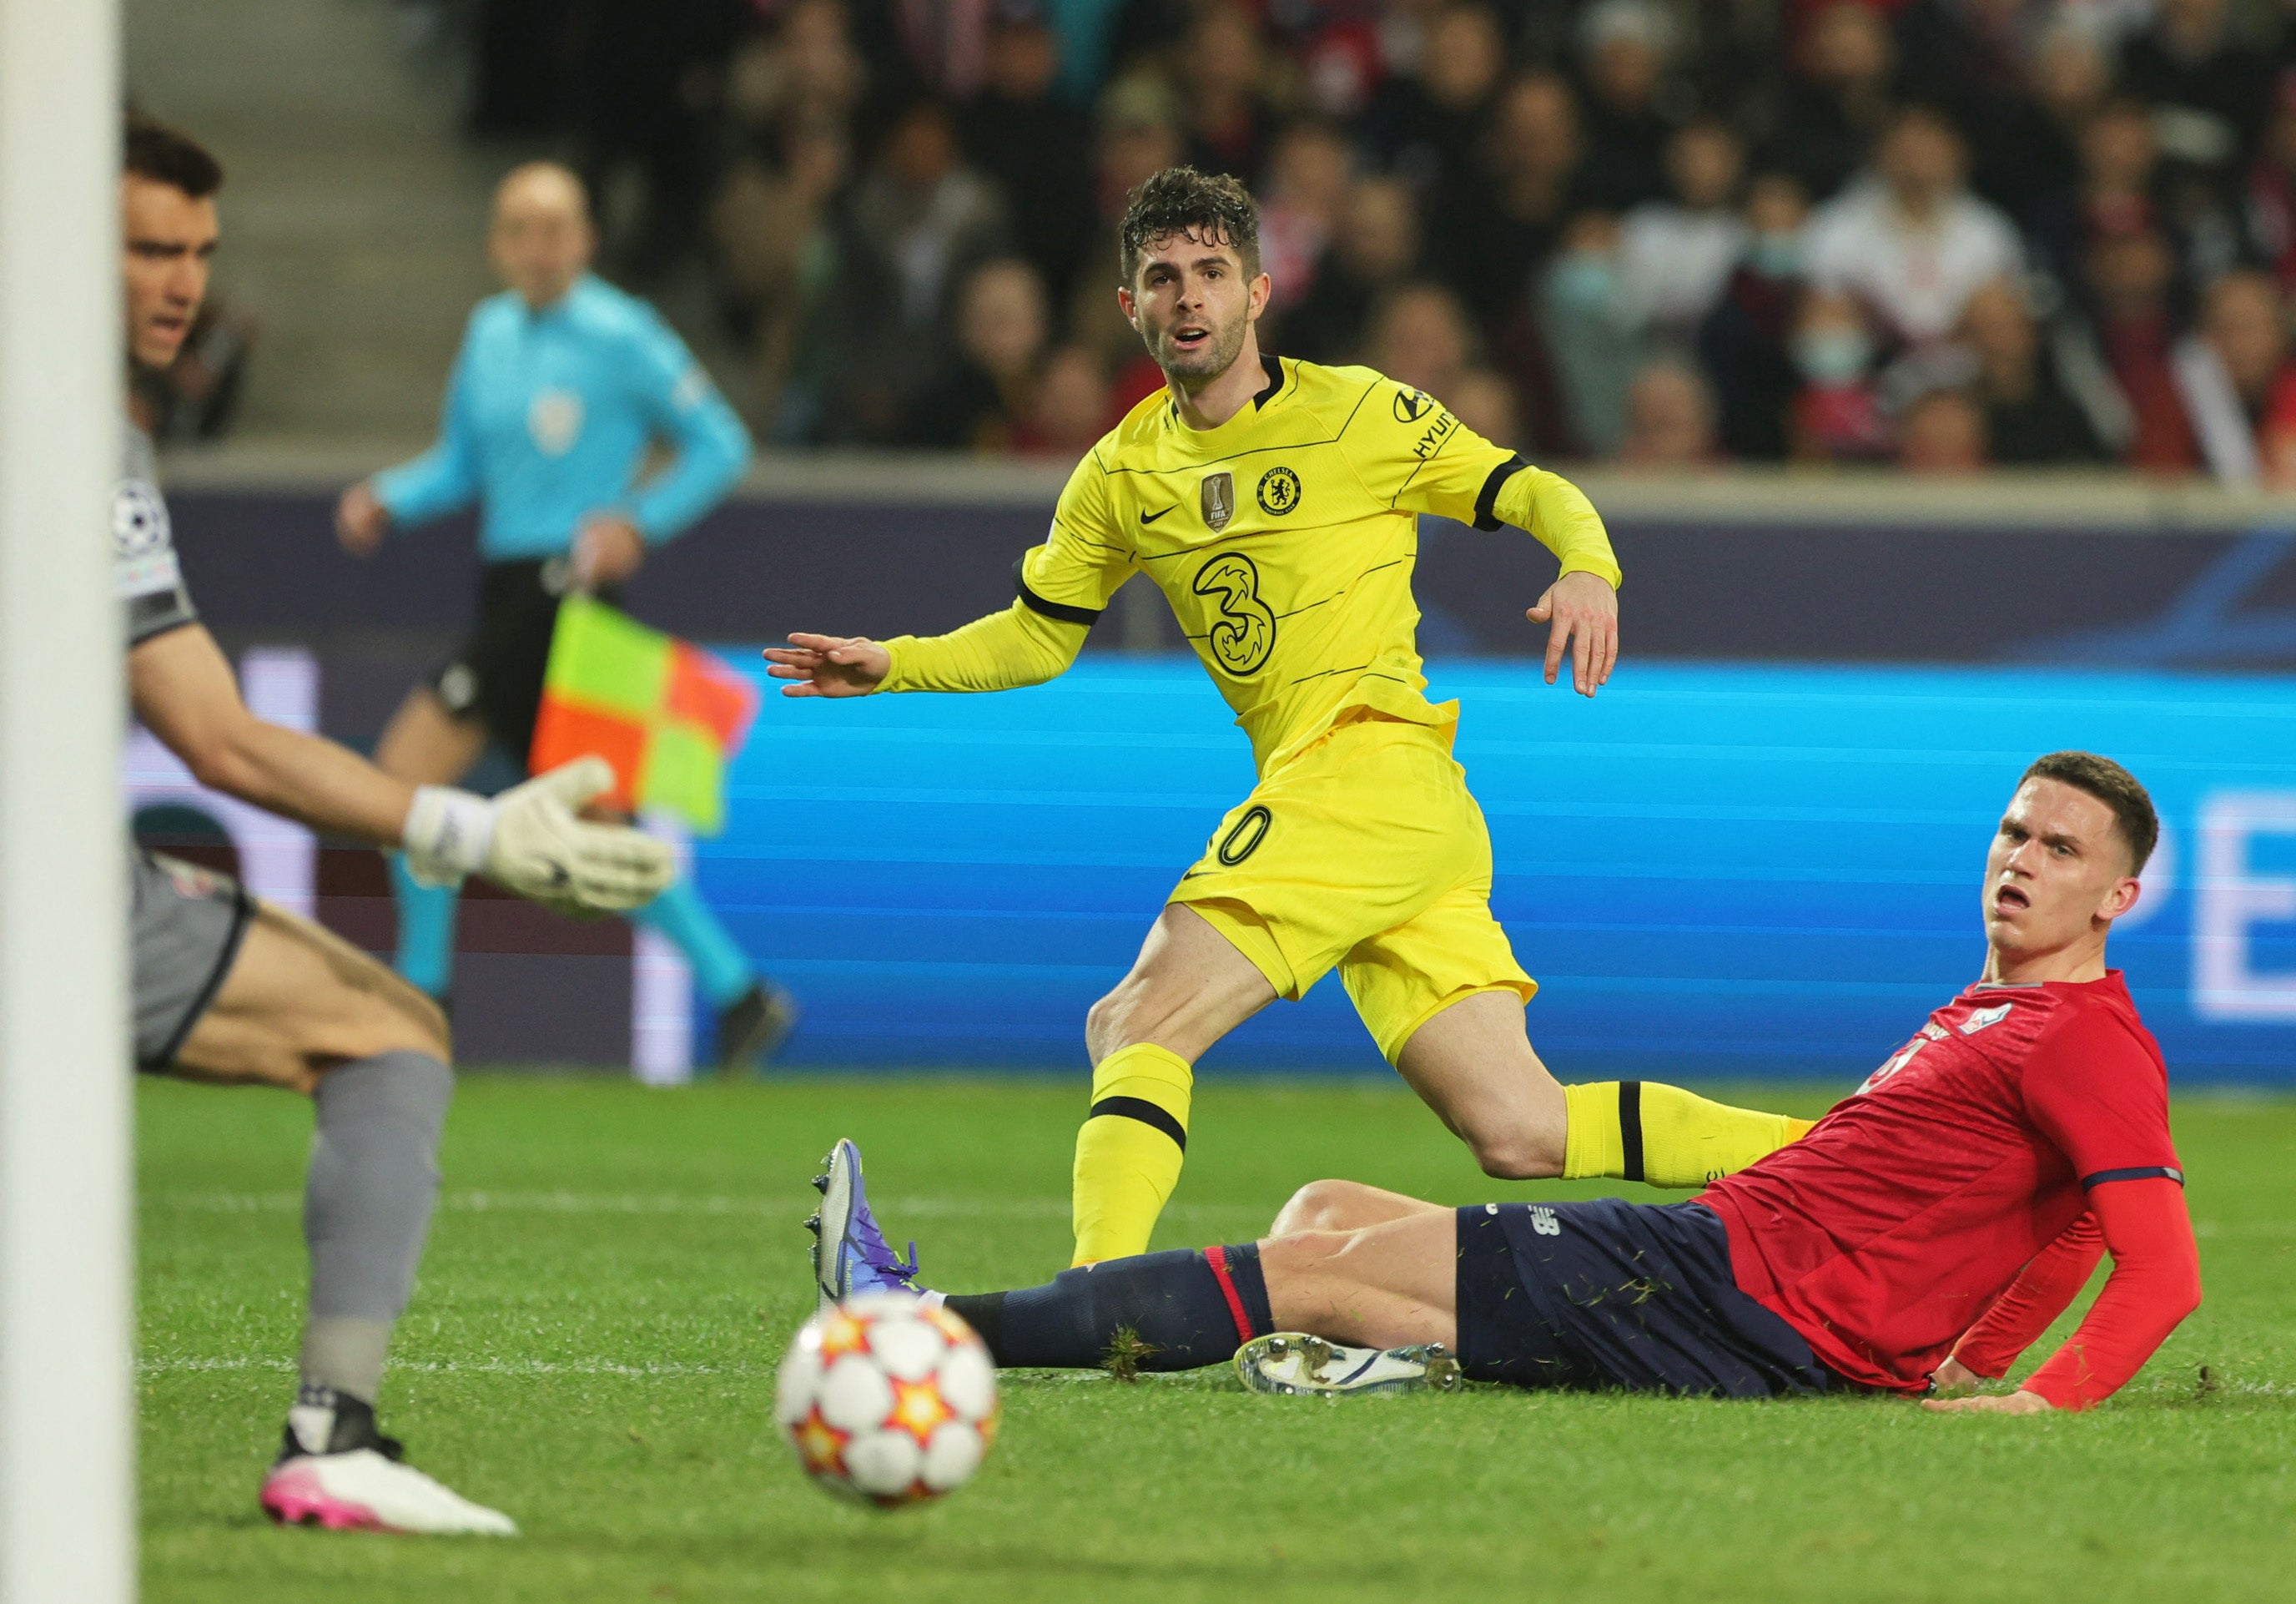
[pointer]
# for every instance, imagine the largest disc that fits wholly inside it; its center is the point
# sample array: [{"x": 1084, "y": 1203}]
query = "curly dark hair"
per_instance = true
[
  {"x": 2133, "y": 819},
  {"x": 1213, "y": 208},
  {"x": 164, "y": 155}
]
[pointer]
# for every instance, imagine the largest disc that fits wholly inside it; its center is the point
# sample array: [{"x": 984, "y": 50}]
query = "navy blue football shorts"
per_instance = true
[{"x": 1609, "y": 1294}]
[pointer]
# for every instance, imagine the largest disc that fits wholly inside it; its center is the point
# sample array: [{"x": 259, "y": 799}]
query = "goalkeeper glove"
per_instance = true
[{"x": 531, "y": 840}]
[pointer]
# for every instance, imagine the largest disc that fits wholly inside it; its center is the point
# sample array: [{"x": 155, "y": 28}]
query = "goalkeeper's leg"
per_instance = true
[
  {"x": 300, "y": 1009},
  {"x": 1474, "y": 1065}
]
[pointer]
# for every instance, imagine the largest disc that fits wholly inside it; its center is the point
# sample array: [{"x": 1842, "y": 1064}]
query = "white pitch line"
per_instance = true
[
  {"x": 635, "y": 1203},
  {"x": 179, "y": 1364},
  {"x": 2244, "y": 1227}
]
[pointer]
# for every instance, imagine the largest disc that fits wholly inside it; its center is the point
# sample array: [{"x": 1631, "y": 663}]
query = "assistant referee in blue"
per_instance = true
[{"x": 563, "y": 386}]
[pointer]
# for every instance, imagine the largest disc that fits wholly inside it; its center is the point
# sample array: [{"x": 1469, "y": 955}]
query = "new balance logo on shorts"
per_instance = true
[{"x": 1542, "y": 1221}]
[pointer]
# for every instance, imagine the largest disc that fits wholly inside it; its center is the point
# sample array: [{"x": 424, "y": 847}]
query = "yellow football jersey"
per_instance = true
[
  {"x": 1284, "y": 543},
  {"x": 1284, "y": 538}
]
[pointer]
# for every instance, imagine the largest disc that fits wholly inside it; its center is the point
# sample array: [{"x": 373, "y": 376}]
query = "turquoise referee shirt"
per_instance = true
[{"x": 548, "y": 417}]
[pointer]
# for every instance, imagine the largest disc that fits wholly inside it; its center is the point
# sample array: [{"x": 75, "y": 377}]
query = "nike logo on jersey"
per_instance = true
[
  {"x": 1152, "y": 517},
  {"x": 1981, "y": 1018}
]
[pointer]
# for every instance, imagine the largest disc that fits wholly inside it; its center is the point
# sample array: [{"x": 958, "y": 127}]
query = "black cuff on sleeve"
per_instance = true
[
  {"x": 2139, "y": 1172},
  {"x": 1485, "y": 518},
  {"x": 1067, "y": 614}
]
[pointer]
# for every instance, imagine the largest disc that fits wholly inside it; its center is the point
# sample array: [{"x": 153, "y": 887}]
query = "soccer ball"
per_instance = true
[{"x": 888, "y": 1400}]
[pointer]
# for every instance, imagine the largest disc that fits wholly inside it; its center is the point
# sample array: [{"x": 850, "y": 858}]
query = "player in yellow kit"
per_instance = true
[{"x": 1276, "y": 503}]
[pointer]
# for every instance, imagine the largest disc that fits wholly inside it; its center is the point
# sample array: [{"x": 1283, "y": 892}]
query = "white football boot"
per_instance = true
[
  {"x": 335, "y": 1470},
  {"x": 1292, "y": 1363}
]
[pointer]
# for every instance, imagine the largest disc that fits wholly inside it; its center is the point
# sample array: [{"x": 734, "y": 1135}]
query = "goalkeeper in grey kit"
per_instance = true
[{"x": 232, "y": 991}]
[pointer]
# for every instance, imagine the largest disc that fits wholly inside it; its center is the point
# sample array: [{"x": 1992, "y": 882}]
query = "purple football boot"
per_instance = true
[{"x": 850, "y": 1254}]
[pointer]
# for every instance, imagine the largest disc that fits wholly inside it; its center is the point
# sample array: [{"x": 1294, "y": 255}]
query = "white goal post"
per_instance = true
[{"x": 66, "y": 1506}]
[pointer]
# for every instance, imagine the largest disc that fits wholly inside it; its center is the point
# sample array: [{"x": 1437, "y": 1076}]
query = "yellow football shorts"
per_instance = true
[{"x": 1363, "y": 852}]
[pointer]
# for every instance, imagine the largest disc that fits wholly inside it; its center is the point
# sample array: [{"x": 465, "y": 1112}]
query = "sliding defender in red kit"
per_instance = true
[{"x": 1918, "y": 1239}]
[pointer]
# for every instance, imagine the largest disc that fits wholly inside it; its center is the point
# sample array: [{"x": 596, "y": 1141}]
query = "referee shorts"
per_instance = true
[
  {"x": 1610, "y": 1294},
  {"x": 1365, "y": 853},
  {"x": 495, "y": 677}
]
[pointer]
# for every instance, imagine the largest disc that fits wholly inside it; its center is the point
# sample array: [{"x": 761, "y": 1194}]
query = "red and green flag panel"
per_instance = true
[{"x": 665, "y": 714}]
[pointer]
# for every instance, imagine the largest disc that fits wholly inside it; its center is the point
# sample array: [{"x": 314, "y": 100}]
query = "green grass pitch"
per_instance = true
[{"x": 614, "y": 1272}]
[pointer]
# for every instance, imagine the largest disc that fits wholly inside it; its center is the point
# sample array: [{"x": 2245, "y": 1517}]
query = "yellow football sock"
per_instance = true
[
  {"x": 1129, "y": 1150},
  {"x": 1645, "y": 1130}
]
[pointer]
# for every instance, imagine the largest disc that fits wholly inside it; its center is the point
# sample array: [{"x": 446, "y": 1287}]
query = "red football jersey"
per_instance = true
[{"x": 1884, "y": 1234}]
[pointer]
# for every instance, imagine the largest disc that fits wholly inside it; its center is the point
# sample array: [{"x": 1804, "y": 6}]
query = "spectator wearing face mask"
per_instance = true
[
  {"x": 1837, "y": 414},
  {"x": 1675, "y": 256},
  {"x": 1744, "y": 343},
  {"x": 1912, "y": 242},
  {"x": 1592, "y": 334}
]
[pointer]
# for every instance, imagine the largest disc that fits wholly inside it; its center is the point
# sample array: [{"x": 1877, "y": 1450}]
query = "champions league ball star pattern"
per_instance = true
[{"x": 887, "y": 1399}]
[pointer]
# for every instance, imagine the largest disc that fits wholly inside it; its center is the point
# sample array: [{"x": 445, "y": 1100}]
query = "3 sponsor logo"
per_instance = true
[{"x": 1244, "y": 633}]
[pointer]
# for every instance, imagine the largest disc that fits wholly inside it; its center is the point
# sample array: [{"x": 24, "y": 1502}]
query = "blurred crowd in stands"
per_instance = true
[{"x": 1663, "y": 233}]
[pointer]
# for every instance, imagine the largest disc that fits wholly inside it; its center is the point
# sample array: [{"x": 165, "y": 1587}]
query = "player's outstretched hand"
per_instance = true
[
  {"x": 360, "y": 520},
  {"x": 1992, "y": 1403},
  {"x": 830, "y": 665},
  {"x": 1582, "y": 612}
]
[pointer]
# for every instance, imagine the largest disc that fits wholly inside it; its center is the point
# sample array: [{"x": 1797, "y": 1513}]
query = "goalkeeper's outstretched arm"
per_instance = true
[
  {"x": 999, "y": 652},
  {"x": 529, "y": 840}
]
